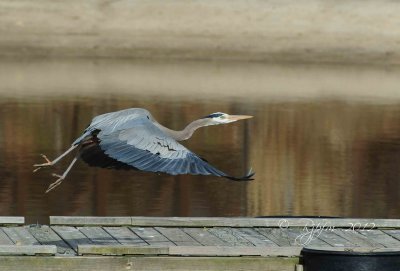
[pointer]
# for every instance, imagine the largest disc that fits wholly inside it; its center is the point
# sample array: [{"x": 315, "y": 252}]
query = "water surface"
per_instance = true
[{"x": 325, "y": 140}]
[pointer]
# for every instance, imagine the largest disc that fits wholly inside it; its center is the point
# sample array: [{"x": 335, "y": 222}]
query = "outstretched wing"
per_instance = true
[{"x": 142, "y": 145}]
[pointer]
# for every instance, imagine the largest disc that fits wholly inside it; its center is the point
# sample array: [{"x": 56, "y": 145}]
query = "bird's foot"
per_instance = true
[
  {"x": 39, "y": 166},
  {"x": 56, "y": 183}
]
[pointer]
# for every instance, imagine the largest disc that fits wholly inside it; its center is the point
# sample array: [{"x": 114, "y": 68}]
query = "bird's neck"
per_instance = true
[{"x": 185, "y": 133}]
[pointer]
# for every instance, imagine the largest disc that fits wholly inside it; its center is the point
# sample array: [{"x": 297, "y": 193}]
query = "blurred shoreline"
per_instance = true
[
  {"x": 210, "y": 81},
  {"x": 306, "y": 31}
]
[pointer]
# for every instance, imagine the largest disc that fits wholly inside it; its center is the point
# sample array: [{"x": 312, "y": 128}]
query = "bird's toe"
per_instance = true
[{"x": 58, "y": 176}]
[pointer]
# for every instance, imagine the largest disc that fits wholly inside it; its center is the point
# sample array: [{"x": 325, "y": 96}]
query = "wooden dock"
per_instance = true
[{"x": 172, "y": 243}]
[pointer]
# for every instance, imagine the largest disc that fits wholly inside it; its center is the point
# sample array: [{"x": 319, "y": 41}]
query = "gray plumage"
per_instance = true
[{"x": 133, "y": 139}]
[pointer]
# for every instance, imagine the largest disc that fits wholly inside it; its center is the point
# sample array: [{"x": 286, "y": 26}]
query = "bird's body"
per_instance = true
[{"x": 133, "y": 139}]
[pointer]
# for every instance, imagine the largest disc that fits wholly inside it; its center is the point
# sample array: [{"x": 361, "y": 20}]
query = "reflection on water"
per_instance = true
[{"x": 316, "y": 149}]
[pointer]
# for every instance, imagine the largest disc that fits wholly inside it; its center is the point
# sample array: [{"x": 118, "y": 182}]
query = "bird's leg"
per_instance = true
[
  {"x": 61, "y": 177},
  {"x": 50, "y": 163}
]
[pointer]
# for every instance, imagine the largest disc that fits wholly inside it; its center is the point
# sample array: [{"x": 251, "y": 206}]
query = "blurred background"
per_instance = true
[{"x": 321, "y": 79}]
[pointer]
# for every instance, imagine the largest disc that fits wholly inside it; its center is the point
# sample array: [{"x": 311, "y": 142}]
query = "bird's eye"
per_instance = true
[{"x": 148, "y": 117}]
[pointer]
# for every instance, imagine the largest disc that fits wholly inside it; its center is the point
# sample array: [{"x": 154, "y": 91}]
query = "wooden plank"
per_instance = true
[
  {"x": 5, "y": 220},
  {"x": 167, "y": 263},
  {"x": 205, "y": 238},
  {"x": 72, "y": 236},
  {"x": 125, "y": 236},
  {"x": 357, "y": 239},
  {"x": 148, "y": 263},
  {"x": 276, "y": 235},
  {"x": 121, "y": 250},
  {"x": 27, "y": 250},
  {"x": 230, "y": 237},
  {"x": 394, "y": 233},
  {"x": 90, "y": 220},
  {"x": 216, "y": 251},
  {"x": 291, "y": 251},
  {"x": 260, "y": 222},
  {"x": 304, "y": 237},
  {"x": 193, "y": 221},
  {"x": 255, "y": 237},
  {"x": 98, "y": 235},
  {"x": 223, "y": 222},
  {"x": 177, "y": 236},
  {"x": 230, "y": 251},
  {"x": 4, "y": 239},
  {"x": 46, "y": 236},
  {"x": 292, "y": 237},
  {"x": 20, "y": 236},
  {"x": 331, "y": 238},
  {"x": 380, "y": 237},
  {"x": 151, "y": 236}
]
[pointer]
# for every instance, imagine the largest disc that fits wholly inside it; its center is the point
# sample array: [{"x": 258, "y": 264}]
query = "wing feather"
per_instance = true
[{"x": 137, "y": 142}]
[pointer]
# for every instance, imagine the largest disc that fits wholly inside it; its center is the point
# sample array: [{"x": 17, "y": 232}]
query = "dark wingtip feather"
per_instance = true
[{"x": 247, "y": 177}]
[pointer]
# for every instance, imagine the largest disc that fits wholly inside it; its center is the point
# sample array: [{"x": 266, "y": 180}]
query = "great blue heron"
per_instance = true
[{"x": 133, "y": 139}]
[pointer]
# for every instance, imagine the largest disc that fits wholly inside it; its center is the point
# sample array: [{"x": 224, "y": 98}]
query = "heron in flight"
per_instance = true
[{"x": 133, "y": 139}]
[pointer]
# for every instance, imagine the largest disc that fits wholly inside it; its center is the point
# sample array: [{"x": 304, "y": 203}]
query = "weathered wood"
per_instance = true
[
  {"x": 121, "y": 250},
  {"x": 27, "y": 250},
  {"x": 226, "y": 251},
  {"x": 196, "y": 222},
  {"x": 4, "y": 239},
  {"x": 394, "y": 233},
  {"x": 381, "y": 238},
  {"x": 293, "y": 236},
  {"x": 357, "y": 239},
  {"x": 278, "y": 236},
  {"x": 98, "y": 235},
  {"x": 169, "y": 263},
  {"x": 152, "y": 237},
  {"x": 223, "y": 222},
  {"x": 217, "y": 251},
  {"x": 261, "y": 222},
  {"x": 331, "y": 238},
  {"x": 46, "y": 236},
  {"x": 303, "y": 237},
  {"x": 89, "y": 220},
  {"x": 72, "y": 236},
  {"x": 230, "y": 237},
  {"x": 177, "y": 236},
  {"x": 6, "y": 220},
  {"x": 125, "y": 236},
  {"x": 205, "y": 238},
  {"x": 254, "y": 237},
  {"x": 227, "y": 243},
  {"x": 20, "y": 236}
]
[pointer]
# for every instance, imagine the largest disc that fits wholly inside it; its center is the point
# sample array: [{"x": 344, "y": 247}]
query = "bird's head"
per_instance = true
[{"x": 222, "y": 118}]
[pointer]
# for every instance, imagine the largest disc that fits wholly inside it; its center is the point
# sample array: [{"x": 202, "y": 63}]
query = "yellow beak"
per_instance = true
[{"x": 238, "y": 117}]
